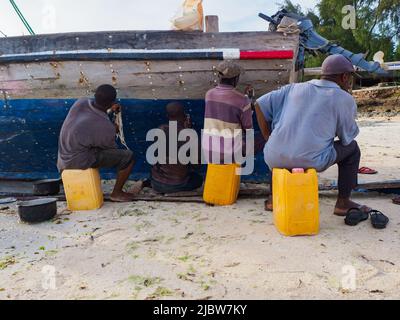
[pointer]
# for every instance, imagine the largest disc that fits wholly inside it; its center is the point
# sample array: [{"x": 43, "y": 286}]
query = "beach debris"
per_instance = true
[
  {"x": 388, "y": 262},
  {"x": 131, "y": 212},
  {"x": 232, "y": 265},
  {"x": 7, "y": 211},
  {"x": 6, "y": 262},
  {"x": 188, "y": 235},
  {"x": 377, "y": 291},
  {"x": 205, "y": 286},
  {"x": 186, "y": 276},
  {"x": 144, "y": 281},
  {"x": 184, "y": 258},
  {"x": 159, "y": 293}
]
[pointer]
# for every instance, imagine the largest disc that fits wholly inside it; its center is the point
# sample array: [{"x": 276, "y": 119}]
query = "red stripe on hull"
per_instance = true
[{"x": 259, "y": 55}]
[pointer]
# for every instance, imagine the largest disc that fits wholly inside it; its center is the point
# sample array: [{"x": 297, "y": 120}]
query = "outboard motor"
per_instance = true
[{"x": 311, "y": 41}]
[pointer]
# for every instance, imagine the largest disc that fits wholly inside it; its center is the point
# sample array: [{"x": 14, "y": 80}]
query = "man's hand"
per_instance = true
[
  {"x": 249, "y": 91},
  {"x": 262, "y": 123},
  {"x": 116, "y": 108}
]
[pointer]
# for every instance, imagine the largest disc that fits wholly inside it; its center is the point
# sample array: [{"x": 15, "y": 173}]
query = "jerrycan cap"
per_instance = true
[{"x": 298, "y": 170}]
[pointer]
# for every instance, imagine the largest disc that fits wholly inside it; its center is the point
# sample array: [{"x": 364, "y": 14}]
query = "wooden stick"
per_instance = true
[
  {"x": 212, "y": 24},
  {"x": 196, "y": 196}
]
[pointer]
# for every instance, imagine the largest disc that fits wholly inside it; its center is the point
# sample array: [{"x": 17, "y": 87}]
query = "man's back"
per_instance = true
[
  {"x": 167, "y": 173},
  {"x": 226, "y": 110},
  {"x": 85, "y": 131},
  {"x": 305, "y": 119}
]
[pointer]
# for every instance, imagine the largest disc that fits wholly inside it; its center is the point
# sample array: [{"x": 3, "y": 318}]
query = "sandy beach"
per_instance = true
[{"x": 148, "y": 250}]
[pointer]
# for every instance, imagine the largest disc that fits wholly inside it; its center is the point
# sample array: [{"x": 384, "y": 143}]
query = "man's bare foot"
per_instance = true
[
  {"x": 268, "y": 204},
  {"x": 121, "y": 197},
  {"x": 136, "y": 188},
  {"x": 344, "y": 205}
]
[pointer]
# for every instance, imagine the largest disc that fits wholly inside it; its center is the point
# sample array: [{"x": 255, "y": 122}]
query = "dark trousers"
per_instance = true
[
  {"x": 348, "y": 161},
  {"x": 195, "y": 181}
]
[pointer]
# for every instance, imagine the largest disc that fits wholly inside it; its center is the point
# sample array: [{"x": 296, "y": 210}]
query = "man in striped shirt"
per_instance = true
[{"x": 228, "y": 114}]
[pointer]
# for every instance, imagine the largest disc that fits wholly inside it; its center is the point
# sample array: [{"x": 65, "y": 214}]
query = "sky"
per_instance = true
[{"x": 53, "y": 16}]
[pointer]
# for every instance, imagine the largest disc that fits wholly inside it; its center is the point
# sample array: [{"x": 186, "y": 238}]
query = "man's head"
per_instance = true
[
  {"x": 229, "y": 73},
  {"x": 176, "y": 112},
  {"x": 105, "y": 97},
  {"x": 339, "y": 69}
]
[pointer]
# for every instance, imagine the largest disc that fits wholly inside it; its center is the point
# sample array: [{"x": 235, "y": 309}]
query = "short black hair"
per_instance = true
[
  {"x": 175, "y": 111},
  {"x": 105, "y": 95}
]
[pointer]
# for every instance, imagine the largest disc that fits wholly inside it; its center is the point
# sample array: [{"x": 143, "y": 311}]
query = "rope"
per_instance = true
[
  {"x": 289, "y": 29},
  {"x": 21, "y": 16},
  {"x": 120, "y": 134},
  {"x": 3, "y": 33}
]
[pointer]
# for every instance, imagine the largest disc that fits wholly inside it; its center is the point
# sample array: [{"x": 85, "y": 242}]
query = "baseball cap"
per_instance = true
[
  {"x": 337, "y": 64},
  {"x": 228, "y": 69}
]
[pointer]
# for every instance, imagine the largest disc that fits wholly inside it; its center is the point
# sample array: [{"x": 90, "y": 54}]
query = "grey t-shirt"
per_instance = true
[
  {"x": 305, "y": 118},
  {"x": 85, "y": 131}
]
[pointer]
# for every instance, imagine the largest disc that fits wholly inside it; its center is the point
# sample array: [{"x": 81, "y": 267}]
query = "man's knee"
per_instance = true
[
  {"x": 127, "y": 160},
  {"x": 114, "y": 158}
]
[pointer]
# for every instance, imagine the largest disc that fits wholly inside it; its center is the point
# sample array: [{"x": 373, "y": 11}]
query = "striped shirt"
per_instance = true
[{"x": 227, "y": 113}]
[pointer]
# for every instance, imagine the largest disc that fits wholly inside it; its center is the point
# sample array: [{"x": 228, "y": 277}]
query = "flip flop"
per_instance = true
[
  {"x": 378, "y": 219},
  {"x": 268, "y": 206},
  {"x": 396, "y": 200},
  {"x": 355, "y": 216},
  {"x": 365, "y": 170}
]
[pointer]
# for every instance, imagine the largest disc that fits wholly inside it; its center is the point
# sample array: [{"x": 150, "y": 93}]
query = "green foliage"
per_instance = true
[{"x": 397, "y": 53}]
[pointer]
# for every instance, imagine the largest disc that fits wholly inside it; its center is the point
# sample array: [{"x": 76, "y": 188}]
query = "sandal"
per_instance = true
[
  {"x": 396, "y": 200},
  {"x": 365, "y": 170},
  {"x": 268, "y": 206},
  {"x": 354, "y": 216},
  {"x": 378, "y": 219}
]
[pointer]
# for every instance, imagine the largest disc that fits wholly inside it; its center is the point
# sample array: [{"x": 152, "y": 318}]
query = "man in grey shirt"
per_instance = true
[
  {"x": 87, "y": 140},
  {"x": 301, "y": 121}
]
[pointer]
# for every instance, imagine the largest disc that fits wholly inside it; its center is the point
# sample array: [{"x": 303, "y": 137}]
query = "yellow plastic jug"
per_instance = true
[
  {"x": 296, "y": 202},
  {"x": 83, "y": 189},
  {"x": 222, "y": 184}
]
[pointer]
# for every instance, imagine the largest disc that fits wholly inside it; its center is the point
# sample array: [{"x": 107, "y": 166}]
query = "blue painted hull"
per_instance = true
[{"x": 29, "y": 130}]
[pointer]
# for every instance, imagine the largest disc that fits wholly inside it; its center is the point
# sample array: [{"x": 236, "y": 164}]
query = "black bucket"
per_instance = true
[
  {"x": 50, "y": 187},
  {"x": 39, "y": 210}
]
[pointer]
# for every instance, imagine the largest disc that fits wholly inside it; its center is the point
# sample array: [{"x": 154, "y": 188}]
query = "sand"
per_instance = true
[{"x": 192, "y": 251}]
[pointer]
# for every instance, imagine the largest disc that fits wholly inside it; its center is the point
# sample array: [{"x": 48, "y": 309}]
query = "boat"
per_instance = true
[{"x": 41, "y": 76}]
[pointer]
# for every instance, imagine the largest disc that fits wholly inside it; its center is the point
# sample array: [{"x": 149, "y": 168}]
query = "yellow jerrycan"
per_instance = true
[
  {"x": 222, "y": 184},
  {"x": 296, "y": 202},
  {"x": 83, "y": 189}
]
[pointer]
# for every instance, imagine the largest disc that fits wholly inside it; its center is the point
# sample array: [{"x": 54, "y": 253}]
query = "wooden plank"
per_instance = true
[
  {"x": 380, "y": 185},
  {"x": 133, "y": 92},
  {"x": 161, "y": 80},
  {"x": 148, "y": 40},
  {"x": 212, "y": 24},
  {"x": 72, "y": 70},
  {"x": 196, "y": 197},
  {"x": 145, "y": 81}
]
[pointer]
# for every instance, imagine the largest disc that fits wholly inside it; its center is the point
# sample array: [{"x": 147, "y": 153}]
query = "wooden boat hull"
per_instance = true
[{"x": 40, "y": 80}]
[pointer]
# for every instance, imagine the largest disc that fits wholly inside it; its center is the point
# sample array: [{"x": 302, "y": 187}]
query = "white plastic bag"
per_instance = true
[{"x": 189, "y": 17}]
